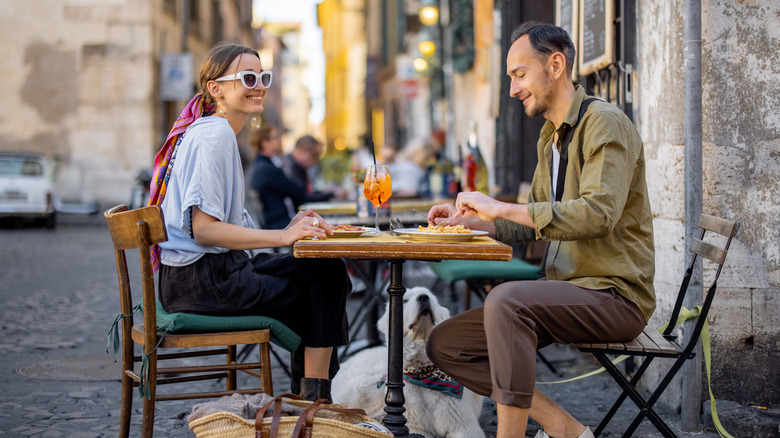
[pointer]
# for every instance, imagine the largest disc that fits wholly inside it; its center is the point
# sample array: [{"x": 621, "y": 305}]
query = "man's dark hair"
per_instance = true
[
  {"x": 307, "y": 143},
  {"x": 547, "y": 39}
]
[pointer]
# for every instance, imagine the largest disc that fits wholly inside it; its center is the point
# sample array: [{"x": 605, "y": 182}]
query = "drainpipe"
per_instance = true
[{"x": 692, "y": 370}]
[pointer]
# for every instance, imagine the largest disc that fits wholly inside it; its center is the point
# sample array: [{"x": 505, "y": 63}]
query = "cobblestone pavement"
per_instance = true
[{"x": 58, "y": 289}]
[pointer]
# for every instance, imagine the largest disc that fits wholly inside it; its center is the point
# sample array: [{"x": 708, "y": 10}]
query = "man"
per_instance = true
[
  {"x": 278, "y": 194},
  {"x": 300, "y": 166},
  {"x": 600, "y": 263}
]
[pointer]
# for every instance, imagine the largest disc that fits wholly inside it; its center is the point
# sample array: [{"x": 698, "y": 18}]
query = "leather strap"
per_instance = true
[
  {"x": 277, "y": 414},
  {"x": 305, "y": 423},
  {"x": 567, "y": 136}
]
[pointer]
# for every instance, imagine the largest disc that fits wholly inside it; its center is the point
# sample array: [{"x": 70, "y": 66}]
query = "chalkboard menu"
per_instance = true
[
  {"x": 567, "y": 17},
  {"x": 597, "y": 35}
]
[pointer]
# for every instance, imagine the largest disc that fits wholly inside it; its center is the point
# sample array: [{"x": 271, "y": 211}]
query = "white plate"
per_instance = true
[
  {"x": 415, "y": 233},
  {"x": 351, "y": 233}
]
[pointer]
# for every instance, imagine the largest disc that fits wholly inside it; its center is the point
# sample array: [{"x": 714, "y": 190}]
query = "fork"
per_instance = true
[
  {"x": 440, "y": 224},
  {"x": 395, "y": 224}
]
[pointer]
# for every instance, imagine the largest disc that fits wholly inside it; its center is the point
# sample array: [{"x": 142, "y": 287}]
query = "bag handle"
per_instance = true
[
  {"x": 303, "y": 427},
  {"x": 277, "y": 414}
]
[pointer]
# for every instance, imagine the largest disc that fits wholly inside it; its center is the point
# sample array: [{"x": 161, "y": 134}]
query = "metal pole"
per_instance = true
[
  {"x": 449, "y": 95},
  {"x": 692, "y": 370},
  {"x": 185, "y": 23}
]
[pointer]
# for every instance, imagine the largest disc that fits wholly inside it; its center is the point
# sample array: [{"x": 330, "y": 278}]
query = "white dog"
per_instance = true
[{"x": 429, "y": 412}]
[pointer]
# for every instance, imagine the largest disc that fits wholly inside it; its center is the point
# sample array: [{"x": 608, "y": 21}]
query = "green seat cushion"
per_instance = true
[
  {"x": 515, "y": 269},
  {"x": 281, "y": 335}
]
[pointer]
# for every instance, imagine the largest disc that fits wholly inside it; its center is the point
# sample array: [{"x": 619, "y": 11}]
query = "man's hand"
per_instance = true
[
  {"x": 447, "y": 214},
  {"x": 476, "y": 204}
]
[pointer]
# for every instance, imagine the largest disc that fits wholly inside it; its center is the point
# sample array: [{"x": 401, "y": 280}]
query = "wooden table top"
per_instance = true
[{"x": 387, "y": 247}]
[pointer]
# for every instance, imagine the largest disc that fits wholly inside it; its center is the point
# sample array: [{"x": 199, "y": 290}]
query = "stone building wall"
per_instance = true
[
  {"x": 741, "y": 168},
  {"x": 81, "y": 84}
]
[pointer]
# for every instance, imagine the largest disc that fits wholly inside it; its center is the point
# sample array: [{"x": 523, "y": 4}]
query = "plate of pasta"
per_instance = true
[
  {"x": 345, "y": 230},
  {"x": 447, "y": 233}
]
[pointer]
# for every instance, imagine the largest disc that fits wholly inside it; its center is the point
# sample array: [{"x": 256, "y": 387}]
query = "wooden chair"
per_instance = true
[
  {"x": 140, "y": 229},
  {"x": 650, "y": 344}
]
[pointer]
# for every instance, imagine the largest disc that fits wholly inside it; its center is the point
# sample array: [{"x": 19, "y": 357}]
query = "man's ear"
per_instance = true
[{"x": 557, "y": 65}]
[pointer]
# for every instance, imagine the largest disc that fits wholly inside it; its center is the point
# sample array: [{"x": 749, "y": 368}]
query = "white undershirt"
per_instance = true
[{"x": 556, "y": 163}]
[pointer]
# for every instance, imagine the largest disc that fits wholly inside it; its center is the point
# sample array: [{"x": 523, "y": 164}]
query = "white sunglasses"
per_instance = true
[{"x": 249, "y": 78}]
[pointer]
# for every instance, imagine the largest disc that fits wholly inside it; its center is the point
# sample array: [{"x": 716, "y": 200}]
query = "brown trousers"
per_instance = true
[{"x": 492, "y": 349}]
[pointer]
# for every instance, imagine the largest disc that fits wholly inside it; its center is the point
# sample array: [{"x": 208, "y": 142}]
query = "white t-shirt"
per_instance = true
[{"x": 207, "y": 173}]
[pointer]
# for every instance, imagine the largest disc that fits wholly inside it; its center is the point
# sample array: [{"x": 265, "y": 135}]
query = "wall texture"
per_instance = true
[
  {"x": 741, "y": 168},
  {"x": 81, "y": 83},
  {"x": 79, "y": 79}
]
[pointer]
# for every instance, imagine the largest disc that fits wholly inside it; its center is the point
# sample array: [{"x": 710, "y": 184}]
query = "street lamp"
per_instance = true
[
  {"x": 427, "y": 48},
  {"x": 420, "y": 64},
  {"x": 429, "y": 15}
]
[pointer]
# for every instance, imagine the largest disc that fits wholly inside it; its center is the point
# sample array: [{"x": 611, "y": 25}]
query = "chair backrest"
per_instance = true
[
  {"x": 136, "y": 229},
  {"x": 712, "y": 252}
]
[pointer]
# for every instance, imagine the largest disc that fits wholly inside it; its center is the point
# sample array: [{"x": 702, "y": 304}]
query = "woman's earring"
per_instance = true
[
  {"x": 255, "y": 122},
  {"x": 220, "y": 109}
]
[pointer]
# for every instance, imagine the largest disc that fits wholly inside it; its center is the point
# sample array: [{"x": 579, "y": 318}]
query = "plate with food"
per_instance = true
[
  {"x": 346, "y": 230},
  {"x": 446, "y": 233}
]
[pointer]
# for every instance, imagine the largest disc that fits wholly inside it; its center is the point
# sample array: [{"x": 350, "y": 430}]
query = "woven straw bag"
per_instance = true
[{"x": 341, "y": 424}]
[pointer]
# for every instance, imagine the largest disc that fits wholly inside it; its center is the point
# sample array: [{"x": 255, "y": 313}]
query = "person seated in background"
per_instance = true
[
  {"x": 301, "y": 166},
  {"x": 406, "y": 171},
  {"x": 278, "y": 194}
]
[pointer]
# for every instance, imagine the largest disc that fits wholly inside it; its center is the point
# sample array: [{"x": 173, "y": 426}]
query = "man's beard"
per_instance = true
[{"x": 544, "y": 99}]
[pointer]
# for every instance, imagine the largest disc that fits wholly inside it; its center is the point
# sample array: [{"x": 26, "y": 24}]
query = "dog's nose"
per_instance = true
[{"x": 423, "y": 298}]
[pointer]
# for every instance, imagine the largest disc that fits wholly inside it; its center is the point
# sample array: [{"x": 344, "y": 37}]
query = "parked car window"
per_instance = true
[{"x": 13, "y": 167}]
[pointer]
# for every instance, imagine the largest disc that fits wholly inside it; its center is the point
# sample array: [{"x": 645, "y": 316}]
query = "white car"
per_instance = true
[{"x": 26, "y": 189}]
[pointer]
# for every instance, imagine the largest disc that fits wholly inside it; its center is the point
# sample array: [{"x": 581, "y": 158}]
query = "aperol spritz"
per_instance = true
[{"x": 377, "y": 188}]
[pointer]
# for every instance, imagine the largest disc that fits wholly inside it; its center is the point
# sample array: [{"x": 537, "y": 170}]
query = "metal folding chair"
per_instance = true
[{"x": 650, "y": 344}]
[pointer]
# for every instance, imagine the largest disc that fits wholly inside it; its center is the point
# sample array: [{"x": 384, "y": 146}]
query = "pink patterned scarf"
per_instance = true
[{"x": 163, "y": 162}]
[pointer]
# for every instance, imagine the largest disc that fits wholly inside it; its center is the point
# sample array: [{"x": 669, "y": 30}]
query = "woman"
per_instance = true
[{"x": 200, "y": 186}]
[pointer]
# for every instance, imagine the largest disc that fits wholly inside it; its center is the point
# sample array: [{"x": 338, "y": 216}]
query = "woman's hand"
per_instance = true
[{"x": 306, "y": 224}]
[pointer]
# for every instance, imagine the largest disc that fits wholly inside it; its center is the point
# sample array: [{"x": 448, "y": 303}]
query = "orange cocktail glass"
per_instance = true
[{"x": 377, "y": 188}]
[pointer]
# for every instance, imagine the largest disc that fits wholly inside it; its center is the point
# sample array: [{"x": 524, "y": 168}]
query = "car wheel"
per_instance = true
[{"x": 50, "y": 221}]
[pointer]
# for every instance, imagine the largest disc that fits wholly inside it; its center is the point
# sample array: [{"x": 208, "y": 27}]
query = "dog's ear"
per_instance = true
[
  {"x": 384, "y": 322},
  {"x": 440, "y": 312}
]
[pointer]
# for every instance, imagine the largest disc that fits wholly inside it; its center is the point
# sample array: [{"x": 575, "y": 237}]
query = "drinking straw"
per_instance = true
[{"x": 373, "y": 153}]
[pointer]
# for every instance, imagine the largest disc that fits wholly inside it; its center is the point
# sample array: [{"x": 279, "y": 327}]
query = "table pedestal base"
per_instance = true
[{"x": 394, "y": 400}]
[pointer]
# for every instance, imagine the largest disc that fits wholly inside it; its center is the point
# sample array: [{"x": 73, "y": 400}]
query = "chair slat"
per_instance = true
[
  {"x": 713, "y": 253},
  {"x": 647, "y": 343},
  {"x": 634, "y": 345},
  {"x": 718, "y": 225},
  {"x": 664, "y": 345}
]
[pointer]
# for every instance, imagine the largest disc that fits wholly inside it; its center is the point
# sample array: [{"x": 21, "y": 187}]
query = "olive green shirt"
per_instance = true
[{"x": 601, "y": 232}]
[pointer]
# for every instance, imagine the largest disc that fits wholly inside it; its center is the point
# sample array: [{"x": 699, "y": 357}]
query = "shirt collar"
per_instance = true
[{"x": 571, "y": 117}]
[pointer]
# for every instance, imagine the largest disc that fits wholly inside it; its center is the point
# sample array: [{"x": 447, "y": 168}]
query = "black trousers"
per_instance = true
[{"x": 307, "y": 295}]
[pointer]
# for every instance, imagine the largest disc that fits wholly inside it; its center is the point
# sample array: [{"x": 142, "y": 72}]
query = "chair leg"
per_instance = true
[
  {"x": 127, "y": 406},
  {"x": 148, "y": 403},
  {"x": 645, "y": 406},
  {"x": 619, "y": 402},
  {"x": 265, "y": 372},
  {"x": 230, "y": 382}
]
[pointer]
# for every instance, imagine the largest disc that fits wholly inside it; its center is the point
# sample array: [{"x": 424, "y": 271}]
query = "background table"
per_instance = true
[{"x": 397, "y": 250}]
